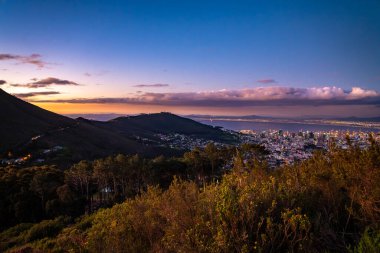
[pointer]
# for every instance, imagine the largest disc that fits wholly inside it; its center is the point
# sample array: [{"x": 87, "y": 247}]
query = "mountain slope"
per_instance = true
[
  {"x": 148, "y": 125},
  {"x": 28, "y": 129},
  {"x": 21, "y": 121},
  {"x": 25, "y": 127}
]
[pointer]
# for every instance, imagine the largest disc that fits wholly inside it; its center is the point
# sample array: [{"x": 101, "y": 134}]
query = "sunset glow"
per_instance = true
[
  {"x": 189, "y": 126},
  {"x": 271, "y": 58}
]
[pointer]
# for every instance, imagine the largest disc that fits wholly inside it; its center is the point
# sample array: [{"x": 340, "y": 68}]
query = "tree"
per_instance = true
[
  {"x": 80, "y": 177},
  {"x": 45, "y": 183},
  {"x": 212, "y": 153}
]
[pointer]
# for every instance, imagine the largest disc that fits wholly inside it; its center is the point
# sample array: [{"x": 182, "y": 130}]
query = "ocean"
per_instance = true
[{"x": 291, "y": 127}]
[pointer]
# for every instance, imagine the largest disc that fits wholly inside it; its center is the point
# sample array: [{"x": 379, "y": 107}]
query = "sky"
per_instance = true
[{"x": 274, "y": 58}]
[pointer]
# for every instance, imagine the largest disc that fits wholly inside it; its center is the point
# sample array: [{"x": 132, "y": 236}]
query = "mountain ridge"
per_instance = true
[{"x": 27, "y": 127}]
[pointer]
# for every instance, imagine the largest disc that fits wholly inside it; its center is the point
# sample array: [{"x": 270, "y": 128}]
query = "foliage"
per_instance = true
[
  {"x": 26, "y": 233},
  {"x": 329, "y": 203},
  {"x": 13, "y": 236},
  {"x": 47, "y": 228},
  {"x": 28, "y": 194},
  {"x": 369, "y": 242}
]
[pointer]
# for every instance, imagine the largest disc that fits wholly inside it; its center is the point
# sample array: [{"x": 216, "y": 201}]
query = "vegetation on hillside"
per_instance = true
[
  {"x": 28, "y": 131},
  {"x": 329, "y": 203},
  {"x": 41, "y": 192}
]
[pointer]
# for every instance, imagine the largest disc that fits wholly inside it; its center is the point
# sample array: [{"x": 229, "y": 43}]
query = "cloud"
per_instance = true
[
  {"x": 34, "y": 59},
  {"x": 2, "y": 82},
  {"x": 267, "y": 81},
  {"x": 156, "y": 85},
  {"x": 33, "y": 94},
  {"x": 46, "y": 82},
  {"x": 100, "y": 73},
  {"x": 358, "y": 92},
  {"x": 261, "y": 96}
]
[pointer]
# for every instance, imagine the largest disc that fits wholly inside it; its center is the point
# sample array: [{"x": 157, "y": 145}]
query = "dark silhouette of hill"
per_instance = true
[
  {"x": 21, "y": 121},
  {"x": 24, "y": 126},
  {"x": 372, "y": 119},
  {"x": 148, "y": 125}
]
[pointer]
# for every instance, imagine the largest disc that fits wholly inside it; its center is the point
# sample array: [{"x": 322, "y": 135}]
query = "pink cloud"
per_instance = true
[
  {"x": 267, "y": 81},
  {"x": 259, "y": 96},
  {"x": 46, "y": 82},
  {"x": 33, "y": 94},
  {"x": 34, "y": 59},
  {"x": 156, "y": 85}
]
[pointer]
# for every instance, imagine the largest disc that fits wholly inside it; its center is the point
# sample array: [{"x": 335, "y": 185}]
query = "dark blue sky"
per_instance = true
[{"x": 192, "y": 46}]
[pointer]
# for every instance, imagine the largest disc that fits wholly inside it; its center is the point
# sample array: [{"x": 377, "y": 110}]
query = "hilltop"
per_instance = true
[
  {"x": 26, "y": 128},
  {"x": 149, "y": 125},
  {"x": 21, "y": 121}
]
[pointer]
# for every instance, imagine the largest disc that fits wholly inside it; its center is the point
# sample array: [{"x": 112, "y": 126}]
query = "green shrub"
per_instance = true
[
  {"x": 320, "y": 205},
  {"x": 46, "y": 228},
  {"x": 11, "y": 236},
  {"x": 369, "y": 242}
]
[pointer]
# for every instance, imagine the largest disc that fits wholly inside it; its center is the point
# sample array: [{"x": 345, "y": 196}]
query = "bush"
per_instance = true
[
  {"x": 320, "y": 205},
  {"x": 11, "y": 236},
  {"x": 369, "y": 242},
  {"x": 46, "y": 228}
]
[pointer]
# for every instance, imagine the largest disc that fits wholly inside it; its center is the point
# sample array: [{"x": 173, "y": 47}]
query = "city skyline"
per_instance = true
[{"x": 271, "y": 58}]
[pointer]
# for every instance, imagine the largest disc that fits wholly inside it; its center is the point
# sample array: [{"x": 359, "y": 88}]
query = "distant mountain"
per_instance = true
[
  {"x": 198, "y": 116},
  {"x": 357, "y": 119},
  {"x": 149, "y": 125},
  {"x": 25, "y": 128},
  {"x": 95, "y": 116},
  {"x": 301, "y": 118},
  {"x": 21, "y": 121}
]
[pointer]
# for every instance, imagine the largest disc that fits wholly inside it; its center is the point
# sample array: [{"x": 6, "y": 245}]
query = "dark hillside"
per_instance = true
[
  {"x": 27, "y": 128},
  {"x": 20, "y": 121},
  {"x": 147, "y": 125}
]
